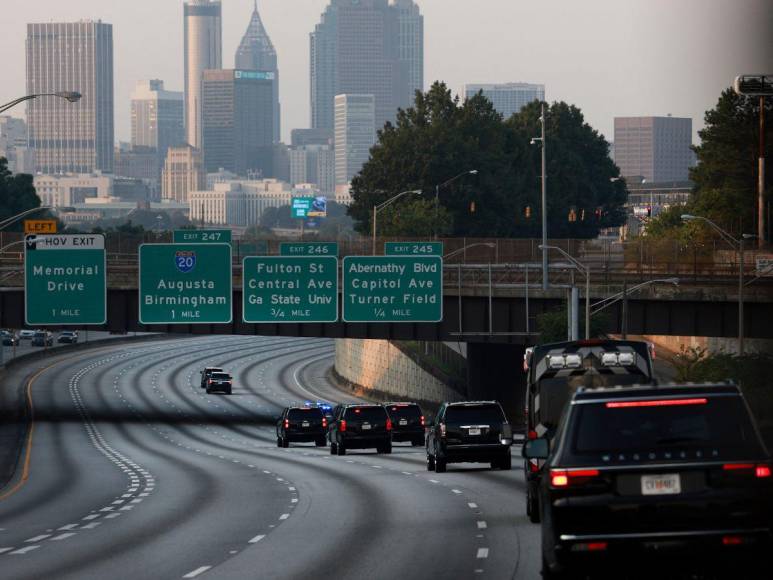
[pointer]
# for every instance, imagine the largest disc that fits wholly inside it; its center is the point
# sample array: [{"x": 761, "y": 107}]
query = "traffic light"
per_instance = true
[
  {"x": 572, "y": 215},
  {"x": 472, "y": 207},
  {"x": 527, "y": 212},
  {"x": 582, "y": 215}
]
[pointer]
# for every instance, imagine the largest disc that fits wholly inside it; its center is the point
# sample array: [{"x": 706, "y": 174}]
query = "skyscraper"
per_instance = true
[
  {"x": 157, "y": 117},
  {"x": 238, "y": 121},
  {"x": 507, "y": 98},
  {"x": 355, "y": 134},
  {"x": 183, "y": 173},
  {"x": 74, "y": 56},
  {"x": 203, "y": 50},
  {"x": 356, "y": 49},
  {"x": 256, "y": 52},
  {"x": 656, "y": 148},
  {"x": 411, "y": 45}
]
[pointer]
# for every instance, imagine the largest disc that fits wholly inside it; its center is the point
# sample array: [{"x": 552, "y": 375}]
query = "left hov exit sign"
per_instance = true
[{"x": 64, "y": 279}]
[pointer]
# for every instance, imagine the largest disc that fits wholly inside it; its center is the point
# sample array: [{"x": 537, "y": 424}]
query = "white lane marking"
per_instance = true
[
  {"x": 482, "y": 553},
  {"x": 256, "y": 539},
  {"x": 197, "y": 571},
  {"x": 68, "y": 527},
  {"x": 482, "y": 525},
  {"x": 473, "y": 505},
  {"x": 294, "y": 500},
  {"x": 456, "y": 491},
  {"x": 91, "y": 526},
  {"x": 111, "y": 516},
  {"x": 24, "y": 550},
  {"x": 62, "y": 536},
  {"x": 407, "y": 473},
  {"x": 91, "y": 517},
  {"x": 284, "y": 516},
  {"x": 38, "y": 538},
  {"x": 291, "y": 488},
  {"x": 3, "y": 550},
  {"x": 376, "y": 466},
  {"x": 434, "y": 481}
]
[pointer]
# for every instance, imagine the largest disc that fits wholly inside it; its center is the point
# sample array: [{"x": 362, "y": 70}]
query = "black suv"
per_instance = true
[
  {"x": 303, "y": 424},
  {"x": 360, "y": 427},
  {"x": 219, "y": 382},
  {"x": 475, "y": 431},
  {"x": 43, "y": 338},
  {"x": 205, "y": 375},
  {"x": 407, "y": 422},
  {"x": 650, "y": 471}
]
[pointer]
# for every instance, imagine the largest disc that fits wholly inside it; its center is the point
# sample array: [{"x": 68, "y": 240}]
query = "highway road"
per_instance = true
[{"x": 134, "y": 471}]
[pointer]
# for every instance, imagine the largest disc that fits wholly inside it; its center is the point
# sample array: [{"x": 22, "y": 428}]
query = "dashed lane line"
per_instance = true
[
  {"x": 482, "y": 553},
  {"x": 197, "y": 571},
  {"x": 256, "y": 539}
]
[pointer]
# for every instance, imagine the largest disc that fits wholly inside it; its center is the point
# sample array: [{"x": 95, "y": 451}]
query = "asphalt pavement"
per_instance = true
[{"x": 134, "y": 471}]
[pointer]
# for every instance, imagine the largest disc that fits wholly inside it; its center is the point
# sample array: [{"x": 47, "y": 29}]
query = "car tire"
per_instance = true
[
  {"x": 321, "y": 442},
  {"x": 417, "y": 443},
  {"x": 341, "y": 450},
  {"x": 506, "y": 463},
  {"x": 278, "y": 441},
  {"x": 532, "y": 502},
  {"x": 387, "y": 449},
  {"x": 430, "y": 463},
  {"x": 228, "y": 392},
  {"x": 440, "y": 465},
  {"x": 333, "y": 449},
  {"x": 209, "y": 392},
  {"x": 285, "y": 442}
]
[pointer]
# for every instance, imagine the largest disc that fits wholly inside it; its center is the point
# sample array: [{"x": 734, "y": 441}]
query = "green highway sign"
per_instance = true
[
  {"x": 290, "y": 289},
  {"x": 185, "y": 284},
  {"x": 202, "y": 236},
  {"x": 301, "y": 206},
  {"x": 413, "y": 248},
  {"x": 308, "y": 249},
  {"x": 64, "y": 279},
  {"x": 392, "y": 289}
]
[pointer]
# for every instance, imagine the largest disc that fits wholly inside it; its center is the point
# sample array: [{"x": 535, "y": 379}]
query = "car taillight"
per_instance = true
[
  {"x": 532, "y": 434},
  {"x": 760, "y": 471},
  {"x": 287, "y": 423},
  {"x": 590, "y": 547},
  {"x": 567, "y": 477},
  {"x": 422, "y": 421},
  {"x": 732, "y": 540},
  {"x": 389, "y": 425},
  {"x": 442, "y": 429},
  {"x": 657, "y": 403},
  {"x": 342, "y": 426},
  {"x": 324, "y": 421}
]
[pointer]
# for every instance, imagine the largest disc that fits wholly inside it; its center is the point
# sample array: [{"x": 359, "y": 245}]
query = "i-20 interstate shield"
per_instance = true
[{"x": 185, "y": 261}]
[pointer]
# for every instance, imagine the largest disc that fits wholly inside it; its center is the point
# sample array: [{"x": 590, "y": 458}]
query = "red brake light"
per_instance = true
[
  {"x": 732, "y": 540},
  {"x": 657, "y": 403},
  {"x": 324, "y": 421},
  {"x": 357, "y": 411},
  {"x": 342, "y": 426},
  {"x": 590, "y": 547},
  {"x": 442, "y": 429},
  {"x": 566, "y": 477},
  {"x": 532, "y": 434},
  {"x": 422, "y": 421},
  {"x": 762, "y": 471},
  {"x": 389, "y": 425},
  {"x": 287, "y": 423},
  {"x": 736, "y": 466}
]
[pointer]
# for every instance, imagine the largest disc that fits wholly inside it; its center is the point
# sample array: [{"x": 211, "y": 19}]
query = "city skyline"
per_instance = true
[{"x": 632, "y": 79}]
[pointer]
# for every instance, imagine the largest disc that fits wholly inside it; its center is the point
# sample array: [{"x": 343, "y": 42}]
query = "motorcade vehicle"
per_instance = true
[
  {"x": 9, "y": 338},
  {"x": 219, "y": 382},
  {"x": 647, "y": 474},
  {"x": 360, "y": 426},
  {"x": 408, "y": 423},
  {"x": 301, "y": 424},
  {"x": 68, "y": 337},
  {"x": 205, "y": 375},
  {"x": 26, "y": 334},
  {"x": 43, "y": 338},
  {"x": 555, "y": 371},
  {"x": 473, "y": 431}
]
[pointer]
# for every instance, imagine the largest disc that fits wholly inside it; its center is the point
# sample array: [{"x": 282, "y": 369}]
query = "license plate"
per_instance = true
[
  {"x": 365, "y": 426},
  {"x": 403, "y": 422},
  {"x": 305, "y": 424},
  {"x": 665, "y": 484},
  {"x": 474, "y": 431}
]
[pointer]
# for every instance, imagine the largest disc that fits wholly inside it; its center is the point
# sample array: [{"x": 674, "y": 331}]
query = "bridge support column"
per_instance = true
[{"x": 495, "y": 371}]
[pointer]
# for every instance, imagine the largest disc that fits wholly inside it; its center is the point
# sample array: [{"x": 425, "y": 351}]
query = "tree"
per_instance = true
[
  {"x": 414, "y": 217},
  {"x": 17, "y": 192},
  {"x": 552, "y": 325},
  {"x": 439, "y": 137}
]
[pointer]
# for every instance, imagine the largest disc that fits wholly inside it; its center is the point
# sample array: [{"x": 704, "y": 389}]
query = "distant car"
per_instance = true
[
  {"x": 475, "y": 431},
  {"x": 43, "y": 338},
  {"x": 68, "y": 337},
  {"x": 205, "y": 375},
  {"x": 301, "y": 424},
  {"x": 360, "y": 426},
  {"x": 26, "y": 334},
  {"x": 219, "y": 382},
  {"x": 672, "y": 471},
  {"x": 407, "y": 422},
  {"x": 9, "y": 338}
]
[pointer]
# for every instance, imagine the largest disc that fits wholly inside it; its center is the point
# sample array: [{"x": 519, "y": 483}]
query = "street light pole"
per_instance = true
[
  {"x": 14, "y": 218},
  {"x": 585, "y": 270},
  {"x": 70, "y": 96},
  {"x": 379, "y": 207},
  {"x": 545, "y": 282},
  {"x": 437, "y": 194}
]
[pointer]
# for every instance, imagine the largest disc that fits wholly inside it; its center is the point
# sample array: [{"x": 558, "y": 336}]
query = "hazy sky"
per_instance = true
[{"x": 609, "y": 57}]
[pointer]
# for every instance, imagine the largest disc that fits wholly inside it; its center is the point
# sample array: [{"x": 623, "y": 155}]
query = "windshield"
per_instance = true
[
  {"x": 404, "y": 411},
  {"x": 305, "y": 414},
  {"x": 221, "y": 376},
  {"x": 720, "y": 428},
  {"x": 474, "y": 415}
]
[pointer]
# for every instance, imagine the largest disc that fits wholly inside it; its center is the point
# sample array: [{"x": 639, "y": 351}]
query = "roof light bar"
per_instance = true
[{"x": 657, "y": 403}]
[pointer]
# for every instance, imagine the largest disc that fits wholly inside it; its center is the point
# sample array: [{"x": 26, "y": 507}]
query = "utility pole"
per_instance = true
[
  {"x": 624, "y": 321},
  {"x": 761, "y": 180},
  {"x": 545, "y": 282}
]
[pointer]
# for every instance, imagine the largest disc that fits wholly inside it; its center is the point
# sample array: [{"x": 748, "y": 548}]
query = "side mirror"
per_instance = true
[{"x": 535, "y": 449}]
